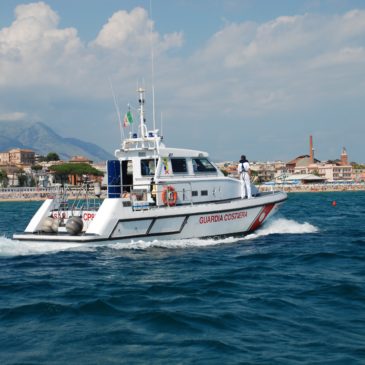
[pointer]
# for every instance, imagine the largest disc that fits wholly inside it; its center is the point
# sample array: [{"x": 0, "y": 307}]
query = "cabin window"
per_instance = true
[
  {"x": 148, "y": 167},
  {"x": 194, "y": 193},
  {"x": 179, "y": 165},
  {"x": 204, "y": 193},
  {"x": 202, "y": 165}
]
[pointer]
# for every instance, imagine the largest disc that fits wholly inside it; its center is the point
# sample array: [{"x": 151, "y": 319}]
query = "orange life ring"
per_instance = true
[{"x": 169, "y": 196}]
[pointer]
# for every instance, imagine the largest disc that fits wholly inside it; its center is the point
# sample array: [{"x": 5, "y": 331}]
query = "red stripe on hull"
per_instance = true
[{"x": 264, "y": 212}]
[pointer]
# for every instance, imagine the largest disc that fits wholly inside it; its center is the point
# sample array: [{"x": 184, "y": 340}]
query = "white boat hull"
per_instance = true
[{"x": 117, "y": 223}]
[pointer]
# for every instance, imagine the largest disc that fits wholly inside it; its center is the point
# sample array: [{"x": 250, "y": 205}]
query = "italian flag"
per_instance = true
[{"x": 128, "y": 119}]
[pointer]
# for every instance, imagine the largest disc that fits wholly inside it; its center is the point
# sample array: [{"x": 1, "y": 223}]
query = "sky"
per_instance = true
[{"x": 231, "y": 77}]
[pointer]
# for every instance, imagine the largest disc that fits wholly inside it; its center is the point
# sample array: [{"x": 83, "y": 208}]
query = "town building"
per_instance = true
[
  {"x": 338, "y": 170},
  {"x": 4, "y": 158},
  {"x": 358, "y": 173},
  {"x": 80, "y": 159},
  {"x": 18, "y": 157},
  {"x": 263, "y": 171}
]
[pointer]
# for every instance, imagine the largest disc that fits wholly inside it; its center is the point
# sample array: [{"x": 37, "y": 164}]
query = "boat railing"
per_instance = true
[
  {"x": 77, "y": 199},
  {"x": 41, "y": 193},
  {"x": 162, "y": 194}
]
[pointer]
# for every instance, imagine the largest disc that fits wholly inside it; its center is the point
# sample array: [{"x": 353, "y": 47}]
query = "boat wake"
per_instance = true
[
  {"x": 275, "y": 226},
  {"x": 10, "y": 247},
  {"x": 283, "y": 226}
]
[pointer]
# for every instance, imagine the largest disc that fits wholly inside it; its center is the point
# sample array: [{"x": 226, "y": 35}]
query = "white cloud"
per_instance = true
[
  {"x": 132, "y": 33},
  {"x": 34, "y": 33},
  {"x": 345, "y": 56},
  {"x": 33, "y": 48},
  {"x": 35, "y": 51},
  {"x": 284, "y": 63},
  {"x": 352, "y": 24},
  {"x": 125, "y": 29},
  {"x": 246, "y": 70},
  {"x": 284, "y": 39},
  {"x": 12, "y": 117}
]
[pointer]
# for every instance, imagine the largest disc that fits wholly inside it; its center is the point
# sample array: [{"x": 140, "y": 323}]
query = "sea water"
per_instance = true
[{"x": 293, "y": 292}]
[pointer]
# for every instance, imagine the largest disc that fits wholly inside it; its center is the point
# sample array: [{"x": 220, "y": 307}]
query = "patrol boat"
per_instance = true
[{"x": 154, "y": 192}]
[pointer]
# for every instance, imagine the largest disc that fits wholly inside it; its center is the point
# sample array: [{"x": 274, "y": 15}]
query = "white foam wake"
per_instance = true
[
  {"x": 283, "y": 226},
  {"x": 275, "y": 226},
  {"x": 174, "y": 244},
  {"x": 10, "y": 247}
]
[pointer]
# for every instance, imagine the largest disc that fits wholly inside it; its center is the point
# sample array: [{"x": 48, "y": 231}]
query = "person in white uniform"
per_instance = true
[{"x": 244, "y": 172}]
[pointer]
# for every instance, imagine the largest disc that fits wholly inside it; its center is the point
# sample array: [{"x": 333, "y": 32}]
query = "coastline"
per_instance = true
[
  {"x": 312, "y": 188},
  {"x": 36, "y": 194}
]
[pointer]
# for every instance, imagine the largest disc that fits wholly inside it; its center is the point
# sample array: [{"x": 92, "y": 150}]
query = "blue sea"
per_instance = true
[{"x": 291, "y": 293}]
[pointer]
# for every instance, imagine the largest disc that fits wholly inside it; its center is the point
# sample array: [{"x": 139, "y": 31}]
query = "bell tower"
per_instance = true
[{"x": 344, "y": 157}]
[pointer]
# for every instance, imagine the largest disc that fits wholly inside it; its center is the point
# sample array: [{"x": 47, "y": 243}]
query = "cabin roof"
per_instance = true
[
  {"x": 181, "y": 152},
  {"x": 163, "y": 152}
]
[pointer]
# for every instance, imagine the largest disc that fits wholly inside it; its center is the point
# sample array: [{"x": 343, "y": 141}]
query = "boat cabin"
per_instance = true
[
  {"x": 169, "y": 176},
  {"x": 146, "y": 170}
]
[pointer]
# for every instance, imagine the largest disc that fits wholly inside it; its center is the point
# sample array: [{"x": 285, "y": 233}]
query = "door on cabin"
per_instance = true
[{"x": 127, "y": 175}]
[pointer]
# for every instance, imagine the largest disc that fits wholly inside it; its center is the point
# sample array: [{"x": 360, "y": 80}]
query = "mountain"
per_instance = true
[{"x": 42, "y": 140}]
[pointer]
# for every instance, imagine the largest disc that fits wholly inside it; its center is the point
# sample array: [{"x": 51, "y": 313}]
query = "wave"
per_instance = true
[
  {"x": 283, "y": 226},
  {"x": 10, "y": 247},
  {"x": 175, "y": 244},
  {"x": 275, "y": 226}
]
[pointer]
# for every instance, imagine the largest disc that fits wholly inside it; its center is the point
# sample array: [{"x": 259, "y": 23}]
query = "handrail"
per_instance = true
[
  {"x": 137, "y": 194},
  {"x": 41, "y": 193}
]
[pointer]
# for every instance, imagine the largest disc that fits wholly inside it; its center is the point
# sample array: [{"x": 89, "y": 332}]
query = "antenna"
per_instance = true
[
  {"x": 161, "y": 124},
  {"x": 117, "y": 110},
  {"x": 152, "y": 70}
]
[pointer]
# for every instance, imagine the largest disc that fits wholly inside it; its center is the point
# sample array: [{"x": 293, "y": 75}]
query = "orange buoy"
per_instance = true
[
  {"x": 169, "y": 196},
  {"x": 334, "y": 203}
]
